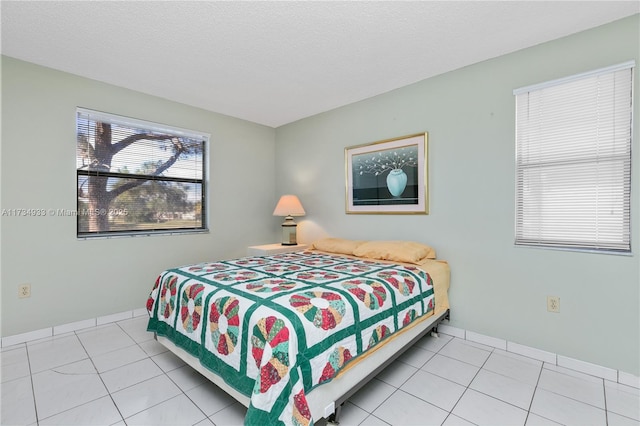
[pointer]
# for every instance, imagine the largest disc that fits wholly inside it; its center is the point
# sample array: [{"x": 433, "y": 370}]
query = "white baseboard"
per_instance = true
[
  {"x": 66, "y": 328},
  {"x": 494, "y": 342},
  {"x": 628, "y": 379},
  {"x": 548, "y": 357}
]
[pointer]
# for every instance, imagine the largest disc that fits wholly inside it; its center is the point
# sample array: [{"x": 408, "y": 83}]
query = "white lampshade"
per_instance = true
[{"x": 289, "y": 206}]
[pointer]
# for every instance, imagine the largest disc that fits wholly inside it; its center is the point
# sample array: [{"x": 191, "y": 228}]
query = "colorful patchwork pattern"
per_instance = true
[
  {"x": 153, "y": 296},
  {"x": 281, "y": 268},
  {"x": 320, "y": 261},
  {"x": 301, "y": 414},
  {"x": 338, "y": 358},
  {"x": 379, "y": 333},
  {"x": 401, "y": 281},
  {"x": 224, "y": 323},
  {"x": 207, "y": 268},
  {"x": 270, "y": 350},
  {"x": 324, "y": 309},
  {"x": 249, "y": 262},
  {"x": 409, "y": 317},
  {"x": 168, "y": 295},
  {"x": 271, "y": 285},
  {"x": 275, "y": 327},
  {"x": 317, "y": 275},
  {"x": 191, "y": 310},
  {"x": 235, "y": 276},
  {"x": 353, "y": 268},
  {"x": 371, "y": 293}
]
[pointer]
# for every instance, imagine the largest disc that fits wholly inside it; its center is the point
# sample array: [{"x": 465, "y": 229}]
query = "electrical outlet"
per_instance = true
[
  {"x": 24, "y": 290},
  {"x": 553, "y": 304}
]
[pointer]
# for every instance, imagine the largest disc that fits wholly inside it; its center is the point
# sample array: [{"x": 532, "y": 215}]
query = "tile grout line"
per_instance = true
[
  {"x": 105, "y": 385},
  {"x": 574, "y": 399},
  {"x": 398, "y": 389},
  {"x": 123, "y": 419},
  {"x": 462, "y": 334},
  {"x": 189, "y": 398},
  {"x": 136, "y": 313},
  {"x": 533, "y": 396},
  {"x": 33, "y": 388},
  {"x": 604, "y": 395},
  {"x": 90, "y": 358},
  {"x": 99, "y": 376},
  {"x": 528, "y": 411},
  {"x": 490, "y": 350},
  {"x": 469, "y": 385}
]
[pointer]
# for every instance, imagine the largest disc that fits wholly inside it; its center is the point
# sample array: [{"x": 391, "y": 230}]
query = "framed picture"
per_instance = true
[{"x": 388, "y": 177}]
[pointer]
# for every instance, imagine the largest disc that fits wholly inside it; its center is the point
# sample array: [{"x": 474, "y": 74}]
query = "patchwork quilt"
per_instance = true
[{"x": 275, "y": 327}]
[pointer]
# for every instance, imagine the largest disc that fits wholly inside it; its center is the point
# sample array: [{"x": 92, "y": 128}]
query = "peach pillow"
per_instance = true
[
  {"x": 337, "y": 245},
  {"x": 398, "y": 251}
]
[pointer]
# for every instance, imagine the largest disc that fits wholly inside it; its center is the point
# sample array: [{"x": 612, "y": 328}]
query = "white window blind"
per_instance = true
[
  {"x": 573, "y": 161},
  {"x": 138, "y": 177}
]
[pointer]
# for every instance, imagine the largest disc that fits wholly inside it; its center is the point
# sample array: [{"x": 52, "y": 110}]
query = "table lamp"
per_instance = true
[{"x": 289, "y": 206}]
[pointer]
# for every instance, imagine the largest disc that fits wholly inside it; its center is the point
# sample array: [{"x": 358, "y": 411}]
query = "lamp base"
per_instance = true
[{"x": 289, "y": 232}]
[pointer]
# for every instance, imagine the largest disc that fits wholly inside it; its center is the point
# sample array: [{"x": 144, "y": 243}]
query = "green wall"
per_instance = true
[
  {"x": 497, "y": 289},
  {"x": 73, "y": 279}
]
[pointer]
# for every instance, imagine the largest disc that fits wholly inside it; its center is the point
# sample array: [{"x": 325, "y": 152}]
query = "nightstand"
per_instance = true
[{"x": 277, "y": 248}]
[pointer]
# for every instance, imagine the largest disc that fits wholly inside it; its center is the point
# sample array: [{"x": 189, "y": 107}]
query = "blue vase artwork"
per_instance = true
[
  {"x": 396, "y": 182},
  {"x": 394, "y": 163}
]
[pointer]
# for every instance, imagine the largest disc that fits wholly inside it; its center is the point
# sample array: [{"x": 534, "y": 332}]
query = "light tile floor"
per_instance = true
[{"x": 116, "y": 374}]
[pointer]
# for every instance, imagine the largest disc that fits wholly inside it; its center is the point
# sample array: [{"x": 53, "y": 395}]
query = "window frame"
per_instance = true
[
  {"x": 152, "y": 127},
  {"x": 625, "y": 183}
]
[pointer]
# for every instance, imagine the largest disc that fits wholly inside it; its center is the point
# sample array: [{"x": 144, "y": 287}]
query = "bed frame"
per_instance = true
[{"x": 326, "y": 401}]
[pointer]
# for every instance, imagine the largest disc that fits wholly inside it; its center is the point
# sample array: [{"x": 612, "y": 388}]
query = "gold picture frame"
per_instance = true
[{"x": 388, "y": 176}]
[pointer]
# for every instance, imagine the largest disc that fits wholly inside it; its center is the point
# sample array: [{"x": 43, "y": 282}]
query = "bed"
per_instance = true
[{"x": 292, "y": 336}]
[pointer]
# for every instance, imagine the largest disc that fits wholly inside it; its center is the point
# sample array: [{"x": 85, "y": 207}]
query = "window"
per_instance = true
[
  {"x": 136, "y": 177},
  {"x": 573, "y": 161}
]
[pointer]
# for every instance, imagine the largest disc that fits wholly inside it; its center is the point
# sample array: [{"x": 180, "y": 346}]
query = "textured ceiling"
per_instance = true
[{"x": 277, "y": 62}]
